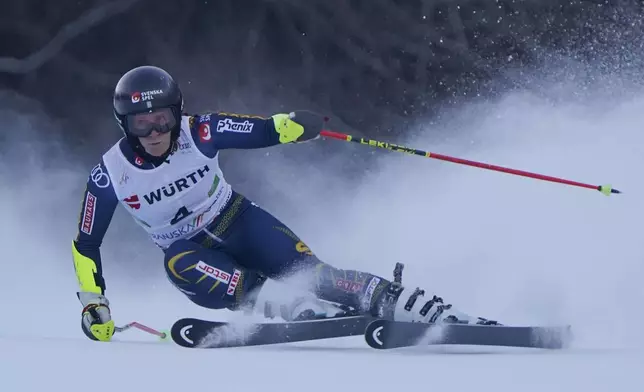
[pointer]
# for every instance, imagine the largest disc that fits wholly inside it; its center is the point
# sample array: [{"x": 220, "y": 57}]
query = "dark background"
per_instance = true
[{"x": 373, "y": 65}]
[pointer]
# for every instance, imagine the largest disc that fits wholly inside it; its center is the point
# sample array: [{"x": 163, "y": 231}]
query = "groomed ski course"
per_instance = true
[{"x": 35, "y": 363}]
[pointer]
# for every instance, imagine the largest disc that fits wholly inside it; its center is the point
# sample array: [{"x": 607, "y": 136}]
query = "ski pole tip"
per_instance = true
[{"x": 607, "y": 190}]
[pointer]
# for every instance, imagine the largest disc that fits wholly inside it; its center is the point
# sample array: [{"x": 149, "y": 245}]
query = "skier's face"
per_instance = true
[{"x": 155, "y": 143}]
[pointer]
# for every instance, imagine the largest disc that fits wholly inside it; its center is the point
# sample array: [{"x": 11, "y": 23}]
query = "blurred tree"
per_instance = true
[{"x": 376, "y": 65}]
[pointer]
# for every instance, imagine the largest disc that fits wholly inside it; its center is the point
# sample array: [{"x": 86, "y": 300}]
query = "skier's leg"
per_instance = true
[
  {"x": 248, "y": 238},
  {"x": 209, "y": 278},
  {"x": 259, "y": 241}
]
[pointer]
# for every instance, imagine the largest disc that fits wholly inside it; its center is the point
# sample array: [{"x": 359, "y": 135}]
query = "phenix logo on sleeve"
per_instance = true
[{"x": 228, "y": 125}]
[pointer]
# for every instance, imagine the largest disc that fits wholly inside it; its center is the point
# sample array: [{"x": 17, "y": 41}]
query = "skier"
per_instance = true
[{"x": 220, "y": 249}]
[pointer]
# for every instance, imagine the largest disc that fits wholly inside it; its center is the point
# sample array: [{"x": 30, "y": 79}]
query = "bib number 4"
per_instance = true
[{"x": 181, "y": 214}]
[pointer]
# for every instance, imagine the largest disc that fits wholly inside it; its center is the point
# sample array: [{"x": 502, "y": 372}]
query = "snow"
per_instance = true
[
  {"x": 509, "y": 248},
  {"x": 343, "y": 364}
]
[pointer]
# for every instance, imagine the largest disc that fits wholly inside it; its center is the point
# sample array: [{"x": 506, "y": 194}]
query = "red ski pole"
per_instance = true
[{"x": 605, "y": 189}]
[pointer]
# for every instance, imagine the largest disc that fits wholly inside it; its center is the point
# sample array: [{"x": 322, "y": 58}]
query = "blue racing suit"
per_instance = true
[{"x": 217, "y": 245}]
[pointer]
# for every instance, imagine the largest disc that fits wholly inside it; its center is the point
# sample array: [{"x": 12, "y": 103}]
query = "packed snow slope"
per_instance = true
[{"x": 514, "y": 249}]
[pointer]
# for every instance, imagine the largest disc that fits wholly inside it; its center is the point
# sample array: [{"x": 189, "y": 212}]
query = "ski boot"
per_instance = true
[{"x": 401, "y": 304}]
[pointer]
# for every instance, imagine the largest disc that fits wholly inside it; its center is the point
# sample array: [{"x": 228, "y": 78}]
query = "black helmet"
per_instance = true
[{"x": 147, "y": 89}]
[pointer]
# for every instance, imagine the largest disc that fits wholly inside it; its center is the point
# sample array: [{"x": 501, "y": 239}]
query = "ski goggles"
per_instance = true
[{"x": 142, "y": 124}]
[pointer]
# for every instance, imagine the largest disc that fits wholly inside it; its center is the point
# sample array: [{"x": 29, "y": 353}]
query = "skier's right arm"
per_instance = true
[{"x": 97, "y": 208}]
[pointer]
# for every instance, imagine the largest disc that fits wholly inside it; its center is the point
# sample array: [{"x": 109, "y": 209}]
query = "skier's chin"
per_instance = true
[
  {"x": 156, "y": 148},
  {"x": 156, "y": 144}
]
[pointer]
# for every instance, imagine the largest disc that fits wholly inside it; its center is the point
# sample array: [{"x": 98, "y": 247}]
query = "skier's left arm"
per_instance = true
[{"x": 218, "y": 131}]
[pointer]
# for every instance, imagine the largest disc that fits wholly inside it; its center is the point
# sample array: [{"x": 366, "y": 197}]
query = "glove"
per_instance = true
[
  {"x": 299, "y": 126},
  {"x": 96, "y": 320}
]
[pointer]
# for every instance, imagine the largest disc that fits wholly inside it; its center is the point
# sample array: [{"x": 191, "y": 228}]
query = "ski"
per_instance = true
[
  {"x": 384, "y": 334},
  {"x": 199, "y": 333}
]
